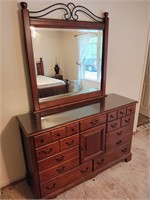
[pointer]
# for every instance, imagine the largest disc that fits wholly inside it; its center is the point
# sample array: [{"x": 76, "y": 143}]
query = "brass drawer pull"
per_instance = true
[
  {"x": 48, "y": 151},
  {"x": 119, "y": 133},
  {"x": 124, "y": 150},
  {"x": 70, "y": 143},
  {"x": 50, "y": 188},
  {"x": 114, "y": 125},
  {"x": 84, "y": 171},
  {"x": 119, "y": 142},
  {"x": 59, "y": 159},
  {"x": 100, "y": 162},
  {"x": 61, "y": 169},
  {"x": 94, "y": 122},
  {"x": 127, "y": 120}
]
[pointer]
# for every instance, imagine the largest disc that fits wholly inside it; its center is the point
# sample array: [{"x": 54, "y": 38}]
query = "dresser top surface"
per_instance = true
[{"x": 33, "y": 123}]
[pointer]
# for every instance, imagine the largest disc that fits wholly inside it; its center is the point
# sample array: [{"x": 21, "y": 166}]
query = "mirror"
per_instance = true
[
  {"x": 67, "y": 58},
  {"x": 77, "y": 53}
]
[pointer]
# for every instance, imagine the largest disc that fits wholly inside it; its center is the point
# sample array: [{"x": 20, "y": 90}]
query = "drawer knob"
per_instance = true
[
  {"x": 50, "y": 188},
  {"x": 71, "y": 143},
  {"x": 119, "y": 142},
  {"x": 119, "y": 133},
  {"x": 58, "y": 134},
  {"x": 61, "y": 169},
  {"x": 94, "y": 122},
  {"x": 114, "y": 125},
  {"x": 100, "y": 162},
  {"x": 48, "y": 151},
  {"x": 111, "y": 116},
  {"x": 73, "y": 129},
  {"x": 41, "y": 140},
  {"x": 130, "y": 110},
  {"x": 84, "y": 171},
  {"x": 127, "y": 120},
  {"x": 121, "y": 113},
  {"x": 124, "y": 150},
  {"x": 59, "y": 159}
]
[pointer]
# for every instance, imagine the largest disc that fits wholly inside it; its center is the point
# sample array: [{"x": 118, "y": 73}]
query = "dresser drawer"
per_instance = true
[
  {"x": 59, "y": 169},
  {"x": 119, "y": 133},
  {"x": 72, "y": 129},
  {"x": 69, "y": 142},
  {"x": 111, "y": 126},
  {"x": 117, "y": 142},
  {"x": 58, "y": 133},
  {"x": 66, "y": 178},
  {"x": 112, "y": 116},
  {"x": 92, "y": 122},
  {"x": 131, "y": 109},
  {"x": 122, "y": 112},
  {"x": 43, "y": 139},
  {"x": 111, "y": 156},
  {"x": 58, "y": 158},
  {"x": 129, "y": 119},
  {"x": 47, "y": 150}
]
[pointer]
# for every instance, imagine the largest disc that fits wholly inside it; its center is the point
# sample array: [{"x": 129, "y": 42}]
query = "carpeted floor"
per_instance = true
[{"x": 124, "y": 181}]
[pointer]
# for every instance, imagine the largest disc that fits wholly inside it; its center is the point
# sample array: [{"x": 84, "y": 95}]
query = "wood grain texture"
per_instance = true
[{"x": 123, "y": 181}]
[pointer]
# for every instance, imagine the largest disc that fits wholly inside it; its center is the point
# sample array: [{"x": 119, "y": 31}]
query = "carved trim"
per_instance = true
[{"x": 70, "y": 11}]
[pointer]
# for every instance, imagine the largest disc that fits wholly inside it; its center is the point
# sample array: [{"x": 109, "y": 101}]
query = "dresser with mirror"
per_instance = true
[{"x": 75, "y": 131}]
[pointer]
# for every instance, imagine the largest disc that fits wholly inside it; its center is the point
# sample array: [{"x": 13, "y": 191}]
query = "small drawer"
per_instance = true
[
  {"x": 59, "y": 169},
  {"x": 106, "y": 160},
  {"x": 117, "y": 142},
  {"x": 111, "y": 126},
  {"x": 92, "y": 122},
  {"x": 119, "y": 133},
  {"x": 69, "y": 142},
  {"x": 130, "y": 109},
  {"x": 58, "y": 158},
  {"x": 58, "y": 133},
  {"x": 72, "y": 129},
  {"x": 47, "y": 150},
  {"x": 127, "y": 120},
  {"x": 121, "y": 112},
  {"x": 66, "y": 178},
  {"x": 112, "y": 116},
  {"x": 43, "y": 139}
]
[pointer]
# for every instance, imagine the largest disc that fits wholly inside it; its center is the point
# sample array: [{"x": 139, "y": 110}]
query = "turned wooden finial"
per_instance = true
[
  {"x": 23, "y": 5},
  {"x": 106, "y": 14}
]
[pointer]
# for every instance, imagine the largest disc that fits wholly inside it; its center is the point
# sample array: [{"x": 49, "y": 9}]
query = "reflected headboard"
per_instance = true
[{"x": 40, "y": 67}]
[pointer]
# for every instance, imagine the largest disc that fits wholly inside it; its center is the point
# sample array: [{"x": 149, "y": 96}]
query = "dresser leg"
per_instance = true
[{"x": 128, "y": 158}]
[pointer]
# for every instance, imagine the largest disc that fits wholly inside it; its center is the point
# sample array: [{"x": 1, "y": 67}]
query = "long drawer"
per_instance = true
[
  {"x": 111, "y": 156},
  {"x": 58, "y": 158},
  {"x": 66, "y": 178}
]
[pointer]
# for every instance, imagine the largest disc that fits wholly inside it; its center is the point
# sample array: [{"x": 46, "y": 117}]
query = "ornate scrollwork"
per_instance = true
[{"x": 70, "y": 11}]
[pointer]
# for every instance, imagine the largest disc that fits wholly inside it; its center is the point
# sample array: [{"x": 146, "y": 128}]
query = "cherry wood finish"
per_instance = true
[
  {"x": 71, "y": 149},
  {"x": 71, "y": 100}
]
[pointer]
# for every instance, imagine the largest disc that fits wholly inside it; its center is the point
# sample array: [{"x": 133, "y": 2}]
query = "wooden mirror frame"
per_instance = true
[{"x": 70, "y": 22}]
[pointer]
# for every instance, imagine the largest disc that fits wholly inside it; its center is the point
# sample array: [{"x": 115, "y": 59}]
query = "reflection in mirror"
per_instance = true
[{"x": 67, "y": 61}]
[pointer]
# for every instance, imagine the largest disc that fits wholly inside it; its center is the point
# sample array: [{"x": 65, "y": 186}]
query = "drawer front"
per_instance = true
[
  {"x": 72, "y": 129},
  {"x": 117, "y": 142},
  {"x": 69, "y": 142},
  {"x": 92, "y": 122},
  {"x": 130, "y": 109},
  {"x": 66, "y": 178},
  {"x": 122, "y": 112},
  {"x": 43, "y": 139},
  {"x": 58, "y": 133},
  {"x": 112, "y": 116},
  {"x": 112, "y": 156},
  {"x": 59, "y": 169},
  {"x": 129, "y": 119},
  {"x": 48, "y": 150},
  {"x": 58, "y": 158},
  {"x": 111, "y": 126},
  {"x": 119, "y": 133}
]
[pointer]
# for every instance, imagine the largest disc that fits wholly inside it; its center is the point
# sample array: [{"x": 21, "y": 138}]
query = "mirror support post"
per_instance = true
[{"x": 30, "y": 57}]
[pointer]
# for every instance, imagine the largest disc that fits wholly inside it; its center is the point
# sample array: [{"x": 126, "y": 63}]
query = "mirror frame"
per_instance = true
[{"x": 70, "y": 22}]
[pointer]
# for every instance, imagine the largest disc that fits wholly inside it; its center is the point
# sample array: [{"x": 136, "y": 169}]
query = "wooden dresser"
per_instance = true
[{"x": 64, "y": 149}]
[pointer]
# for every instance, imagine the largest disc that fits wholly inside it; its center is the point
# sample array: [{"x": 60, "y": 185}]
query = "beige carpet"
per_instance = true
[{"x": 123, "y": 181}]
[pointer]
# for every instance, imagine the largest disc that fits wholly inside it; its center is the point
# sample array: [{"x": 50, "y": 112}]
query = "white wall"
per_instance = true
[{"x": 126, "y": 54}]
